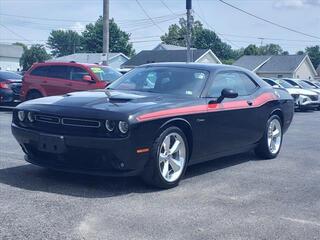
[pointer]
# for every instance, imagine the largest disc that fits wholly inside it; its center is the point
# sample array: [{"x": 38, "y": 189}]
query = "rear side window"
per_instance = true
[
  {"x": 40, "y": 71},
  {"x": 236, "y": 81},
  {"x": 77, "y": 73},
  {"x": 58, "y": 72}
]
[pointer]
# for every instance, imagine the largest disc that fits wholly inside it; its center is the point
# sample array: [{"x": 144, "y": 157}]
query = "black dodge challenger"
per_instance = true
[{"x": 155, "y": 121}]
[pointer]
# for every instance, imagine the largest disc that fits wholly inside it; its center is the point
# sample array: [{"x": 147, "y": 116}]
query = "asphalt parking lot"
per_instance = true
[{"x": 238, "y": 197}]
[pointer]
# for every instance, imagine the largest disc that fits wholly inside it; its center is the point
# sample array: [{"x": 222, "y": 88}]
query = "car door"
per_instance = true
[
  {"x": 76, "y": 82},
  {"x": 56, "y": 82},
  {"x": 231, "y": 124}
]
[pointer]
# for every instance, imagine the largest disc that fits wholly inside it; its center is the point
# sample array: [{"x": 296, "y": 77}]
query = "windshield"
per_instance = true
[
  {"x": 106, "y": 73},
  {"x": 9, "y": 75},
  {"x": 284, "y": 84},
  {"x": 169, "y": 80},
  {"x": 306, "y": 85}
]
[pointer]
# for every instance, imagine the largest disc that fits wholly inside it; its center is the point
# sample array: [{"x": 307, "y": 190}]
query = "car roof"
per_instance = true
[
  {"x": 201, "y": 66},
  {"x": 67, "y": 64}
]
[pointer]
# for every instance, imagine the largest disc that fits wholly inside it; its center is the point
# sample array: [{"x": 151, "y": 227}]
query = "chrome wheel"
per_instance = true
[
  {"x": 274, "y": 136},
  {"x": 172, "y": 157}
]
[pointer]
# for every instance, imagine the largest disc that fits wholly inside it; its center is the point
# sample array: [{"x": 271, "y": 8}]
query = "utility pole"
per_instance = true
[
  {"x": 189, "y": 23},
  {"x": 105, "y": 55}
]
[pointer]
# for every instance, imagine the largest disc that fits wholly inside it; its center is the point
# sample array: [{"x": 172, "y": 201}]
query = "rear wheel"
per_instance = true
[
  {"x": 33, "y": 95},
  {"x": 270, "y": 145},
  {"x": 168, "y": 159}
]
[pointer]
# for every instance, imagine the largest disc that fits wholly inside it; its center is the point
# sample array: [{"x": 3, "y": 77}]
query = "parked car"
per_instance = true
[
  {"x": 302, "y": 98},
  {"x": 317, "y": 84},
  {"x": 10, "y": 85},
  {"x": 154, "y": 121},
  {"x": 299, "y": 84},
  {"x": 48, "y": 79},
  {"x": 312, "y": 86}
]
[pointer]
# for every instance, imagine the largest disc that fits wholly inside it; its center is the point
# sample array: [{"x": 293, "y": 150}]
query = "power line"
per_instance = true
[
  {"x": 151, "y": 19},
  {"x": 13, "y": 32},
  {"x": 268, "y": 21}
]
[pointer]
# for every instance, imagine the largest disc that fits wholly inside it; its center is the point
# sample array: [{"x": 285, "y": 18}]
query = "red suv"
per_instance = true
[{"x": 57, "y": 78}]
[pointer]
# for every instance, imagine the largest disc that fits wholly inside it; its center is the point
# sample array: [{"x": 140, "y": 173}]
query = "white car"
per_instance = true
[
  {"x": 312, "y": 86},
  {"x": 304, "y": 99}
]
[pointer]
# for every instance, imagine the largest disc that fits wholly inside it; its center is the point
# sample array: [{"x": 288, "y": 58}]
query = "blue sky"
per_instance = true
[{"x": 233, "y": 26}]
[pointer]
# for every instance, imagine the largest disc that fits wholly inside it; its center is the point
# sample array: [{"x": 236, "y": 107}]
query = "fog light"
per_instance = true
[
  {"x": 21, "y": 115},
  {"x": 31, "y": 117},
  {"x": 123, "y": 127},
  {"x": 110, "y": 125}
]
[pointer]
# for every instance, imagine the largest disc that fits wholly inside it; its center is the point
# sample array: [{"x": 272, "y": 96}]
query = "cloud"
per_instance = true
[
  {"x": 294, "y": 4},
  {"x": 78, "y": 27}
]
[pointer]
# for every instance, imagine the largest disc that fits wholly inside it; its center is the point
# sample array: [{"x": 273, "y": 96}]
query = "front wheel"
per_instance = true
[
  {"x": 168, "y": 159},
  {"x": 270, "y": 144}
]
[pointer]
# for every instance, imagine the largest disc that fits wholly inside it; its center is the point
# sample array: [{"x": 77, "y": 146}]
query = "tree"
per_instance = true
[
  {"x": 93, "y": 38},
  {"x": 36, "y": 53},
  {"x": 252, "y": 49},
  {"x": 300, "y": 52},
  {"x": 285, "y": 53},
  {"x": 201, "y": 38},
  {"x": 270, "y": 49},
  {"x": 21, "y": 44},
  {"x": 64, "y": 42},
  {"x": 314, "y": 54}
]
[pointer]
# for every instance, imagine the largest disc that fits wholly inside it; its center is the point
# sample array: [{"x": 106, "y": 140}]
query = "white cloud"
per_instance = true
[
  {"x": 78, "y": 27},
  {"x": 295, "y": 3}
]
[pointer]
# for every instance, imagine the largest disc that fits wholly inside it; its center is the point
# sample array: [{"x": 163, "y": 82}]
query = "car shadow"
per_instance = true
[{"x": 33, "y": 178}]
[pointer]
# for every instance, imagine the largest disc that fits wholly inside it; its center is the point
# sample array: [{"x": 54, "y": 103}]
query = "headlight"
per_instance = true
[
  {"x": 123, "y": 127},
  {"x": 31, "y": 117},
  {"x": 110, "y": 125},
  {"x": 21, "y": 115}
]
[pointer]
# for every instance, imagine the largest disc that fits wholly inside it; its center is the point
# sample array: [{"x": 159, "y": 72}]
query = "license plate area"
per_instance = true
[{"x": 51, "y": 144}]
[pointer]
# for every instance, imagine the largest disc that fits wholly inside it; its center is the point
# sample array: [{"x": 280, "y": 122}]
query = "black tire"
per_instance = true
[
  {"x": 151, "y": 174},
  {"x": 263, "y": 150},
  {"x": 34, "y": 94}
]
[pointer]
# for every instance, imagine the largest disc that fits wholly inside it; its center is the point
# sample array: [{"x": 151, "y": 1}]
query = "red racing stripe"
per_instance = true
[{"x": 233, "y": 105}]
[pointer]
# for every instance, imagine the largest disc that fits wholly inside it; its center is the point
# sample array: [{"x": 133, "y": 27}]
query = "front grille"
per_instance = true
[
  {"x": 314, "y": 98},
  {"x": 75, "y": 122},
  {"x": 47, "y": 119},
  {"x": 53, "y": 124},
  {"x": 80, "y": 122}
]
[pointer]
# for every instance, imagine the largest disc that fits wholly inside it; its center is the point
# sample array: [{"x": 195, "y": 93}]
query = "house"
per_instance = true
[
  {"x": 162, "y": 46},
  {"x": 318, "y": 72},
  {"x": 10, "y": 57},
  {"x": 152, "y": 56},
  {"x": 115, "y": 59},
  {"x": 279, "y": 66}
]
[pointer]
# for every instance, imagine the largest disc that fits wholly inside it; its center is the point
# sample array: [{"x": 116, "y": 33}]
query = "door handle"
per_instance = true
[
  {"x": 69, "y": 84},
  {"x": 250, "y": 103},
  {"x": 44, "y": 81}
]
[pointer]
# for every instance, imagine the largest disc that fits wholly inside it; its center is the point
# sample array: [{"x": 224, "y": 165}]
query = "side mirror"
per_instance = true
[
  {"x": 227, "y": 93},
  {"x": 87, "y": 78}
]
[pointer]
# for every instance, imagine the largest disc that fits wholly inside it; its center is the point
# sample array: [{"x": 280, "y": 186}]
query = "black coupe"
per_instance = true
[{"x": 155, "y": 121}]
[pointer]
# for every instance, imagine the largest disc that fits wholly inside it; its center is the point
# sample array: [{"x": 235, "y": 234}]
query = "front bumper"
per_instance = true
[
  {"x": 91, "y": 155},
  {"x": 309, "y": 105}
]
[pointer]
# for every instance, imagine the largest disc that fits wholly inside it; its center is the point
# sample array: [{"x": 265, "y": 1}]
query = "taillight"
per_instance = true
[{"x": 4, "y": 85}]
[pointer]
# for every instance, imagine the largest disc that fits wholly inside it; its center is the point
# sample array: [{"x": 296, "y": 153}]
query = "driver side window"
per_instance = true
[{"x": 236, "y": 81}]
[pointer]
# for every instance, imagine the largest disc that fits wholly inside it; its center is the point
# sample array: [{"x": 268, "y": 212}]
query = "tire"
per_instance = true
[
  {"x": 269, "y": 147},
  {"x": 161, "y": 159},
  {"x": 33, "y": 95}
]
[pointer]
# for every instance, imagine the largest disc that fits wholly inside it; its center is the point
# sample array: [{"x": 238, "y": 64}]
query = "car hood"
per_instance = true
[
  {"x": 124, "y": 102},
  {"x": 300, "y": 91}
]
